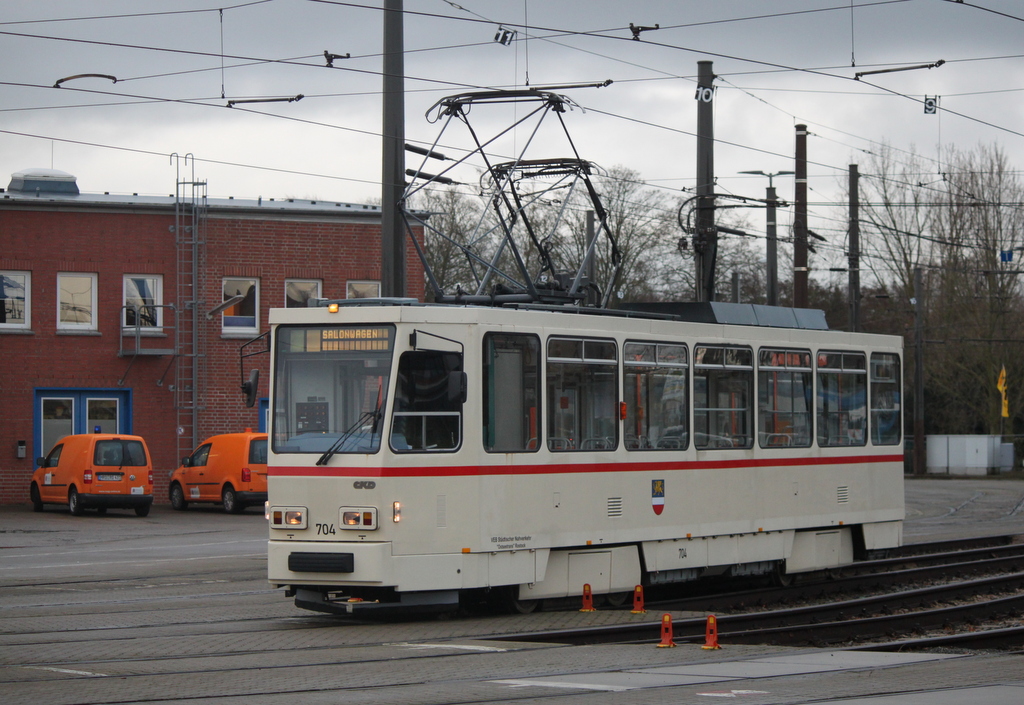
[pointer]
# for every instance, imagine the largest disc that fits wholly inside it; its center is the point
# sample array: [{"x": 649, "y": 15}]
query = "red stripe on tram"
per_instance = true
[{"x": 570, "y": 468}]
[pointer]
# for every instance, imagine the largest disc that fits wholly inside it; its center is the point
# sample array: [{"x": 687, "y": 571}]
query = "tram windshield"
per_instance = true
[{"x": 331, "y": 383}]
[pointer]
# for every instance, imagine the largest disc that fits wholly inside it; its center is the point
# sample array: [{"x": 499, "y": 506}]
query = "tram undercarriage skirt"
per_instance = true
[
  {"x": 321, "y": 562},
  {"x": 409, "y": 602}
]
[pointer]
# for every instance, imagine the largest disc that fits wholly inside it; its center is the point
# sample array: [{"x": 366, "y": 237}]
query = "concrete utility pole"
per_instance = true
[
  {"x": 800, "y": 221},
  {"x": 392, "y": 236},
  {"x": 706, "y": 239},
  {"x": 854, "y": 255},
  {"x": 919, "y": 456}
]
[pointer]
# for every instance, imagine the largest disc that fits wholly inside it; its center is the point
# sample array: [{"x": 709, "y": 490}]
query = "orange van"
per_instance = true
[
  {"x": 230, "y": 469},
  {"x": 95, "y": 471}
]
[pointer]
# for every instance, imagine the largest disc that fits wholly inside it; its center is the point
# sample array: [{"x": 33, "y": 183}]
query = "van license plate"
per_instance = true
[{"x": 108, "y": 476}]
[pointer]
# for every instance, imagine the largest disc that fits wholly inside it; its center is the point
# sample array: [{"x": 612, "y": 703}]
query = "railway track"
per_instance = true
[
  {"x": 910, "y": 569},
  {"x": 220, "y": 635},
  {"x": 894, "y": 612}
]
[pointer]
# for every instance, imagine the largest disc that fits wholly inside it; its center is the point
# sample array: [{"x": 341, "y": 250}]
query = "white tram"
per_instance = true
[{"x": 423, "y": 454}]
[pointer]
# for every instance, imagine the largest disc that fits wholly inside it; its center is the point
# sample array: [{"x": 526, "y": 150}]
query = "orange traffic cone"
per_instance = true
[
  {"x": 666, "y": 631},
  {"x": 638, "y": 600},
  {"x": 711, "y": 634},
  {"x": 588, "y": 600}
]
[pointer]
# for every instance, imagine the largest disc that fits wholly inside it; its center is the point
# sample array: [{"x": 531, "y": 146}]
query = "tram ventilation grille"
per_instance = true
[
  {"x": 843, "y": 495},
  {"x": 615, "y": 506}
]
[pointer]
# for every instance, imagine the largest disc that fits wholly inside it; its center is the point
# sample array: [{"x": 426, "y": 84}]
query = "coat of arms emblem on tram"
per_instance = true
[{"x": 658, "y": 495}]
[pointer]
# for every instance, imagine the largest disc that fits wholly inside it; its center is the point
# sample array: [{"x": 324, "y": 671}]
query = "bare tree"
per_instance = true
[{"x": 962, "y": 227}]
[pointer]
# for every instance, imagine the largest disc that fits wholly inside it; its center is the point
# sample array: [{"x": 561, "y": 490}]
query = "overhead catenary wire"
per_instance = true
[{"x": 739, "y": 145}]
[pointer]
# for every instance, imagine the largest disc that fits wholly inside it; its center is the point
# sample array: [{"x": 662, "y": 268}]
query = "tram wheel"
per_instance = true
[
  {"x": 780, "y": 577},
  {"x": 525, "y": 606},
  {"x": 511, "y": 602},
  {"x": 616, "y": 599}
]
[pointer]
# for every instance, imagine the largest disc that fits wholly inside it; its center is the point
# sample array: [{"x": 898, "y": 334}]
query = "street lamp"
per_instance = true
[{"x": 773, "y": 244}]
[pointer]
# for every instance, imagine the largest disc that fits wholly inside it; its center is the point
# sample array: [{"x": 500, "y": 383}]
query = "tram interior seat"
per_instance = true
[
  {"x": 556, "y": 443},
  {"x": 597, "y": 444},
  {"x": 776, "y": 440},
  {"x": 710, "y": 440},
  {"x": 634, "y": 442},
  {"x": 672, "y": 441}
]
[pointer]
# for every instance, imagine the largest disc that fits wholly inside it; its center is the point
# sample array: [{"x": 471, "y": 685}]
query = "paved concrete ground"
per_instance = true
[
  {"x": 175, "y": 607},
  {"x": 949, "y": 508}
]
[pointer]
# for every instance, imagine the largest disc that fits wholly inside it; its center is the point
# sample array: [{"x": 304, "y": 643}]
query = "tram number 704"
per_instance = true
[{"x": 325, "y": 529}]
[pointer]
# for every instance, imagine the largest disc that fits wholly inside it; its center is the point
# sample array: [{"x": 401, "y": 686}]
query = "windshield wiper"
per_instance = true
[{"x": 374, "y": 414}]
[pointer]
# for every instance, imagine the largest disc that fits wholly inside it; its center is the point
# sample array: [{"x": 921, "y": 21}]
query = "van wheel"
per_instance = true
[
  {"x": 74, "y": 504},
  {"x": 37, "y": 502},
  {"x": 230, "y": 500},
  {"x": 142, "y": 510},
  {"x": 178, "y": 500}
]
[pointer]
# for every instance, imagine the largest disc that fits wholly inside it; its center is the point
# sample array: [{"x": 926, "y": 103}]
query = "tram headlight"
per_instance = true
[
  {"x": 287, "y": 517},
  {"x": 359, "y": 518}
]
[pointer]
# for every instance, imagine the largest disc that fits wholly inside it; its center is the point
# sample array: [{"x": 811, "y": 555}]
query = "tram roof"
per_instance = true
[
  {"x": 736, "y": 314},
  {"x": 719, "y": 312}
]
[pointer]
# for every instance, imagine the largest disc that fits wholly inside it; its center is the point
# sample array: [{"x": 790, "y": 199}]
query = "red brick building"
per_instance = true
[{"x": 126, "y": 313}]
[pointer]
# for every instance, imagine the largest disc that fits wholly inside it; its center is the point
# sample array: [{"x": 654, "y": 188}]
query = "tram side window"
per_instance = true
[
  {"x": 654, "y": 388},
  {"x": 511, "y": 392},
  {"x": 428, "y": 402},
  {"x": 842, "y": 399},
  {"x": 723, "y": 390},
  {"x": 784, "y": 398},
  {"x": 582, "y": 388},
  {"x": 886, "y": 424}
]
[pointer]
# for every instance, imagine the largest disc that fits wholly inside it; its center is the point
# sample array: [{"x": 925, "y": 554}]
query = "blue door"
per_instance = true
[{"x": 62, "y": 412}]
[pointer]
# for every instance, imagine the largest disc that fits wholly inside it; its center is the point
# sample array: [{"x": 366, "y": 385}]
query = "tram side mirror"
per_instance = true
[
  {"x": 250, "y": 387},
  {"x": 458, "y": 386}
]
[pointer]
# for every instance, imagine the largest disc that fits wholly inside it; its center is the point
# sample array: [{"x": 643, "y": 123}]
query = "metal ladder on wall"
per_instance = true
[{"x": 190, "y": 208}]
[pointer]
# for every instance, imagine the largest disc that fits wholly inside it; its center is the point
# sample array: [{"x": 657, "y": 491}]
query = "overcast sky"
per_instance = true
[{"x": 179, "y": 62}]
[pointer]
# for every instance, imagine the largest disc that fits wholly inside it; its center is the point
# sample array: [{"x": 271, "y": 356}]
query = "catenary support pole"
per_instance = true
[
  {"x": 392, "y": 278},
  {"x": 705, "y": 239},
  {"x": 854, "y": 254},
  {"x": 800, "y": 221},
  {"x": 772, "y": 249}
]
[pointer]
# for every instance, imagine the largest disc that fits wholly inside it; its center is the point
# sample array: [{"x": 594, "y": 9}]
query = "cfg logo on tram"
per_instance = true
[{"x": 657, "y": 495}]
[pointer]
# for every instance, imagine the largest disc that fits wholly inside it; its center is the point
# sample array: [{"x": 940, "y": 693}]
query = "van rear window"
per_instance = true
[
  {"x": 118, "y": 453},
  {"x": 258, "y": 451}
]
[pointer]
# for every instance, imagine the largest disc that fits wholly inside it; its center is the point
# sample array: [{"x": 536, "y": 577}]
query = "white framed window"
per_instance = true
[
  {"x": 76, "y": 301},
  {"x": 15, "y": 299},
  {"x": 362, "y": 290},
  {"x": 143, "y": 297},
  {"x": 297, "y": 292},
  {"x": 242, "y": 316},
  {"x": 102, "y": 415}
]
